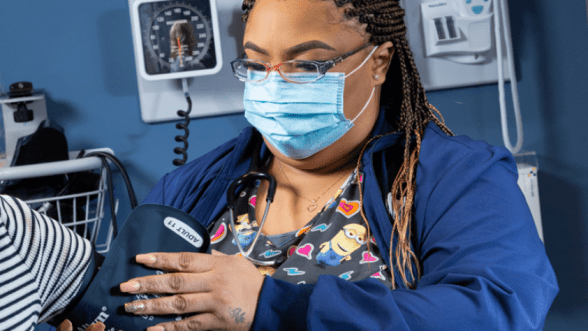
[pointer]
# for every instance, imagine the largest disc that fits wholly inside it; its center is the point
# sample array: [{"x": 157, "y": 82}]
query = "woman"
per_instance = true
[
  {"x": 381, "y": 219},
  {"x": 365, "y": 231}
]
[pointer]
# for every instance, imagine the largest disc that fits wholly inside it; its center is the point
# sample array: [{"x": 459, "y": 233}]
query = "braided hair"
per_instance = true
[{"x": 407, "y": 104}]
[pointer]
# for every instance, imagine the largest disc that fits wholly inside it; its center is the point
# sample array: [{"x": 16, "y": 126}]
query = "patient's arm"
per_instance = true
[{"x": 42, "y": 264}]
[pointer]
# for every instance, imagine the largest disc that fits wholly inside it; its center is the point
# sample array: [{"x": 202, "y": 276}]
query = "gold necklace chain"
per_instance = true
[{"x": 313, "y": 205}]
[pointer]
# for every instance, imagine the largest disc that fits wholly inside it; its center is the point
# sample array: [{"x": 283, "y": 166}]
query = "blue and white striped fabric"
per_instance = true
[{"x": 42, "y": 264}]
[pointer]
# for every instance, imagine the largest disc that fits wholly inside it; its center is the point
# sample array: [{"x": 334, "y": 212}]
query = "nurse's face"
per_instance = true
[{"x": 318, "y": 31}]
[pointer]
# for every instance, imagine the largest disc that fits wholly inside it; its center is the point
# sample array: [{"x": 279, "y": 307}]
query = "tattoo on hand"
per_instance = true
[{"x": 237, "y": 314}]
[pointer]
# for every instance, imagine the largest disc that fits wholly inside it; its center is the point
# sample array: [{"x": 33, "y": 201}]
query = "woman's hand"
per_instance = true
[{"x": 221, "y": 289}]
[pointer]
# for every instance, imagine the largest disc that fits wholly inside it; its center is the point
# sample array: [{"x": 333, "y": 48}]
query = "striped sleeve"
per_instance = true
[{"x": 42, "y": 264}]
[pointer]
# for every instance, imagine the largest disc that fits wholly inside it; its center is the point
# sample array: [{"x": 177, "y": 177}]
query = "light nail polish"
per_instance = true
[
  {"x": 145, "y": 258},
  {"x": 130, "y": 286},
  {"x": 132, "y": 307}
]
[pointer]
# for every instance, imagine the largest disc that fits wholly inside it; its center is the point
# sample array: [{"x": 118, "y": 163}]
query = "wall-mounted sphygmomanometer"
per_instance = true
[{"x": 176, "y": 40}]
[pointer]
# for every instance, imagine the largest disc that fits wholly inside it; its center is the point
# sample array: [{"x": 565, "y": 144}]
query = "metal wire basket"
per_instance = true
[{"x": 83, "y": 212}]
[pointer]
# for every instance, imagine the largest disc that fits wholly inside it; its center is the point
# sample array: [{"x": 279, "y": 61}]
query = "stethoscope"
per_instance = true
[{"x": 254, "y": 173}]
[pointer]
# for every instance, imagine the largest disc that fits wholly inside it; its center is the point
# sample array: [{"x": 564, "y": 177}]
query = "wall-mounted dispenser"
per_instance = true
[
  {"x": 467, "y": 59},
  {"x": 460, "y": 31}
]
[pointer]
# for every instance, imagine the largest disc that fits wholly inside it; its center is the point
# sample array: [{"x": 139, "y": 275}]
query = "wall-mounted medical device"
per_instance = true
[
  {"x": 460, "y": 31},
  {"x": 176, "y": 39},
  {"x": 213, "y": 94},
  {"x": 453, "y": 42},
  {"x": 179, "y": 48},
  {"x": 23, "y": 110}
]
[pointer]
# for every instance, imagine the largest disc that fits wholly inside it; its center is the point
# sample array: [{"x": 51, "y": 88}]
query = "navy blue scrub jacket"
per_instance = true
[{"x": 483, "y": 264}]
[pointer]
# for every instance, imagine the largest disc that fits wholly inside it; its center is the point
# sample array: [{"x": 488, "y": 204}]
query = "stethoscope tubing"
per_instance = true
[
  {"x": 236, "y": 238},
  {"x": 231, "y": 200}
]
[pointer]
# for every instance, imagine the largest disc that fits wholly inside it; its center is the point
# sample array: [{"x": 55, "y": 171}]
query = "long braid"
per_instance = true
[{"x": 384, "y": 21}]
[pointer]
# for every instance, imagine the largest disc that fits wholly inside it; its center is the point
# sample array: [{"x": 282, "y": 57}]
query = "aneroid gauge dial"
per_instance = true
[{"x": 176, "y": 39}]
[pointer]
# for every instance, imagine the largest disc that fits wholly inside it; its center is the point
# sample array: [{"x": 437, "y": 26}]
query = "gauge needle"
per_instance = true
[{"x": 180, "y": 50}]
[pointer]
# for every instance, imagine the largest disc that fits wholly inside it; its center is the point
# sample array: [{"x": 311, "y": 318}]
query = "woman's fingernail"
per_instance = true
[
  {"x": 156, "y": 328},
  {"x": 132, "y": 307},
  {"x": 131, "y": 286},
  {"x": 145, "y": 258},
  {"x": 97, "y": 326}
]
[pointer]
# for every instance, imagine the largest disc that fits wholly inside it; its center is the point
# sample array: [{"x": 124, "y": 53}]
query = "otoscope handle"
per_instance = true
[{"x": 251, "y": 177}]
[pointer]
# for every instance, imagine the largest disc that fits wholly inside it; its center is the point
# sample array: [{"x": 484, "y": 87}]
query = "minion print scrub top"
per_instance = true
[{"x": 334, "y": 242}]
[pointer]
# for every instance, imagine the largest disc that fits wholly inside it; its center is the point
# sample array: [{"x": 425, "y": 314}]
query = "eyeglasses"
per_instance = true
[{"x": 294, "y": 71}]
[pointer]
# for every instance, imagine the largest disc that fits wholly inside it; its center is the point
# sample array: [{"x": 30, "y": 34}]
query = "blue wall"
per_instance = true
[{"x": 80, "y": 53}]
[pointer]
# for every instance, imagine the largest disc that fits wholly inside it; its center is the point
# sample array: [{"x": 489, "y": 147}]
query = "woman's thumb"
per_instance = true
[{"x": 215, "y": 252}]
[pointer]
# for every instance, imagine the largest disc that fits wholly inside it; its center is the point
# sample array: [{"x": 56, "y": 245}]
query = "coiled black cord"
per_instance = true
[{"x": 184, "y": 138}]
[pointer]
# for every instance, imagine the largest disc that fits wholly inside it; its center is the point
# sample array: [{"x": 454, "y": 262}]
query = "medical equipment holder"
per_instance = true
[{"x": 93, "y": 208}]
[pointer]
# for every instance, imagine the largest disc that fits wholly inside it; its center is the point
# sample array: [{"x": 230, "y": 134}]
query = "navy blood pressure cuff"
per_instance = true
[{"x": 149, "y": 228}]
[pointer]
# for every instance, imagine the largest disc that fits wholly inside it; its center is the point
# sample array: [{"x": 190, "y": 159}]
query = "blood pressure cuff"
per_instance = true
[{"x": 149, "y": 228}]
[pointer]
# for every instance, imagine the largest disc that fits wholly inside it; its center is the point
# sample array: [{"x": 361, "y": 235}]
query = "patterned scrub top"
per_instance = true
[{"x": 332, "y": 243}]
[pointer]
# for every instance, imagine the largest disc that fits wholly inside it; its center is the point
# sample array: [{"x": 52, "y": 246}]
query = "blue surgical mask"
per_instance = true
[{"x": 300, "y": 120}]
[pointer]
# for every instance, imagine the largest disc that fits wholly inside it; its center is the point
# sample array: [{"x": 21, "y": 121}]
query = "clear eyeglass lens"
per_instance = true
[
  {"x": 293, "y": 71},
  {"x": 249, "y": 70},
  {"x": 300, "y": 71}
]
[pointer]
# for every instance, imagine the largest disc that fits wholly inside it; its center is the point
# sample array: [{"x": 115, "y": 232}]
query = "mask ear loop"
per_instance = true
[
  {"x": 373, "y": 90},
  {"x": 364, "y": 61},
  {"x": 364, "y": 107}
]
